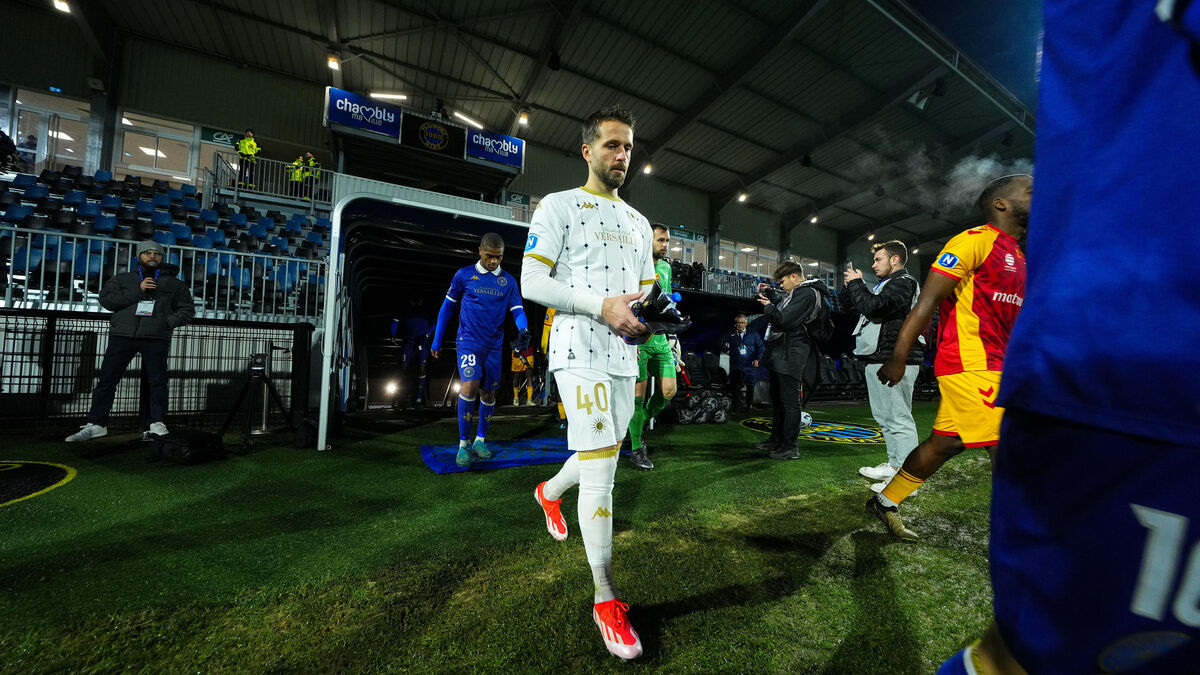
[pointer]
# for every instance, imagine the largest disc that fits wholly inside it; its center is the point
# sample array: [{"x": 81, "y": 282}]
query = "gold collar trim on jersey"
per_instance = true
[{"x": 600, "y": 194}]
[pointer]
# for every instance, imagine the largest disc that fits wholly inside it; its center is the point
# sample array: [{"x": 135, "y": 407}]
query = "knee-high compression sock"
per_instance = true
[
  {"x": 637, "y": 422},
  {"x": 901, "y": 486},
  {"x": 516, "y": 393},
  {"x": 485, "y": 418},
  {"x": 466, "y": 407},
  {"x": 528, "y": 395},
  {"x": 597, "y": 469},
  {"x": 566, "y": 478}
]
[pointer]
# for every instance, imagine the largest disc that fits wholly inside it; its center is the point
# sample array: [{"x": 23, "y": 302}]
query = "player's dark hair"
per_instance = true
[
  {"x": 660, "y": 226},
  {"x": 786, "y": 269},
  {"x": 491, "y": 240},
  {"x": 893, "y": 247},
  {"x": 994, "y": 189},
  {"x": 591, "y": 123}
]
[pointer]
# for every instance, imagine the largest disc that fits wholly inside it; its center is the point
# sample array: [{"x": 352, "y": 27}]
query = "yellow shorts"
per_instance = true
[
  {"x": 518, "y": 366},
  {"x": 968, "y": 408}
]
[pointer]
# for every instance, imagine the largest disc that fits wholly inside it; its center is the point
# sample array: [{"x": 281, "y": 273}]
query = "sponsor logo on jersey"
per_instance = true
[
  {"x": 601, "y": 512},
  {"x": 531, "y": 242},
  {"x": 824, "y": 431},
  {"x": 23, "y": 480},
  {"x": 588, "y": 205},
  {"x": 474, "y": 277},
  {"x": 948, "y": 260},
  {"x": 1010, "y": 298},
  {"x": 618, "y": 237},
  {"x": 502, "y": 281}
]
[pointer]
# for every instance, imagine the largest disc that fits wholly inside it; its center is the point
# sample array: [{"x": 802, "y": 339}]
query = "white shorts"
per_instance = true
[{"x": 598, "y": 406}]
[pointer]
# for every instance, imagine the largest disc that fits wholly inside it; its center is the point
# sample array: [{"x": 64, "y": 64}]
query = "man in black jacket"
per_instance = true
[
  {"x": 148, "y": 303},
  {"x": 883, "y": 310},
  {"x": 790, "y": 356}
]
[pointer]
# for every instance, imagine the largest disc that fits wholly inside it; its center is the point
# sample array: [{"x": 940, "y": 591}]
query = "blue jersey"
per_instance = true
[
  {"x": 483, "y": 299},
  {"x": 1109, "y": 335}
]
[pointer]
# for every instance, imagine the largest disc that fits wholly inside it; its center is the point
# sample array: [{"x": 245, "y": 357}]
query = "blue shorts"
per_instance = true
[
  {"x": 1095, "y": 549},
  {"x": 476, "y": 362}
]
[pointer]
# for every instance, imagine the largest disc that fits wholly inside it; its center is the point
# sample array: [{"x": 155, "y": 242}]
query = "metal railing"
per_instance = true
[
  {"x": 268, "y": 177},
  {"x": 50, "y": 363},
  {"x": 55, "y": 271}
]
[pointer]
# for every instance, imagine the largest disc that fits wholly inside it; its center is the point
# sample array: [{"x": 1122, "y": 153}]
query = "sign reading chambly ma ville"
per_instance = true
[{"x": 359, "y": 112}]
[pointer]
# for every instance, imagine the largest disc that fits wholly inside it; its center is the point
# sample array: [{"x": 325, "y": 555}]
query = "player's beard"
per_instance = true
[
  {"x": 1021, "y": 216},
  {"x": 611, "y": 180}
]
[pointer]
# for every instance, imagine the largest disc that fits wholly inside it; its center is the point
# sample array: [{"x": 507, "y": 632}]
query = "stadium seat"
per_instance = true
[
  {"x": 161, "y": 201},
  {"x": 24, "y": 181},
  {"x": 103, "y": 176},
  {"x": 164, "y": 238},
  {"x": 60, "y": 187},
  {"x": 258, "y": 231},
  {"x": 35, "y": 193},
  {"x": 162, "y": 221},
  {"x": 208, "y": 216},
  {"x": 104, "y": 224},
  {"x": 281, "y": 243},
  {"x": 144, "y": 208},
  {"x": 72, "y": 171},
  {"x": 201, "y": 241},
  {"x": 238, "y": 220},
  {"x": 315, "y": 237},
  {"x": 323, "y": 225},
  {"x": 120, "y": 233},
  {"x": 216, "y": 236},
  {"x": 74, "y": 198},
  {"x": 110, "y": 204},
  {"x": 181, "y": 233},
  {"x": 8, "y": 199},
  {"x": 16, "y": 214},
  {"x": 188, "y": 190},
  {"x": 175, "y": 195},
  {"x": 161, "y": 186},
  {"x": 87, "y": 211},
  {"x": 47, "y": 177},
  {"x": 191, "y": 204}
]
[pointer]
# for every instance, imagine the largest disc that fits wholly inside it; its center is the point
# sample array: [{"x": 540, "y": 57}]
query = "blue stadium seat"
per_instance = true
[
  {"x": 161, "y": 220},
  {"x": 164, "y": 238},
  {"x": 88, "y": 211},
  {"x": 161, "y": 201},
  {"x": 103, "y": 176},
  {"x": 325, "y": 223},
  {"x": 144, "y": 208},
  {"x": 188, "y": 190},
  {"x": 16, "y": 214},
  {"x": 27, "y": 258},
  {"x": 294, "y": 225},
  {"x": 191, "y": 204},
  {"x": 34, "y": 193},
  {"x": 110, "y": 203},
  {"x": 24, "y": 181},
  {"x": 238, "y": 219},
  {"x": 74, "y": 198},
  {"x": 281, "y": 243},
  {"x": 104, "y": 224},
  {"x": 216, "y": 235},
  {"x": 201, "y": 241},
  {"x": 175, "y": 195},
  {"x": 181, "y": 233},
  {"x": 258, "y": 230},
  {"x": 315, "y": 237},
  {"x": 208, "y": 216}
]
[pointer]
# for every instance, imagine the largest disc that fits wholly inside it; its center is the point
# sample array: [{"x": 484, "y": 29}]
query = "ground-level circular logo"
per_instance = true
[
  {"x": 21, "y": 480},
  {"x": 824, "y": 430}
]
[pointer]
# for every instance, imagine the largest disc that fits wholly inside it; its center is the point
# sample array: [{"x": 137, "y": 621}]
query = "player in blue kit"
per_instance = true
[
  {"x": 484, "y": 293},
  {"x": 1095, "y": 537}
]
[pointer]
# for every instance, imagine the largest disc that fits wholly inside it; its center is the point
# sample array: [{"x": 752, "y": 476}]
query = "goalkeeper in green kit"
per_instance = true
[{"x": 655, "y": 359}]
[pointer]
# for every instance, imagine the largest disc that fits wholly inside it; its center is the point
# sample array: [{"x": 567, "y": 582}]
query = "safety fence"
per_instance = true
[
  {"x": 268, "y": 177},
  {"x": 50, "y": 270},
  {"x": 50, "y": 363}
]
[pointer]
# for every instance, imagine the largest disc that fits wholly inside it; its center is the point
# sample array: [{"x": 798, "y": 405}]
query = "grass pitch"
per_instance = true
[{"x": 361, "y": 559}]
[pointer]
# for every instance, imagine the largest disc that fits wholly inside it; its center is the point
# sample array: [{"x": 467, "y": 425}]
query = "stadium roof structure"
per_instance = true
[{"x": 856, "y": 111}]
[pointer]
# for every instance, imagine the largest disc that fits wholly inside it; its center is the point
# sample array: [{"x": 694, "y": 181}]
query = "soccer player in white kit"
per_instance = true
[{"x": 588, "y": 256}]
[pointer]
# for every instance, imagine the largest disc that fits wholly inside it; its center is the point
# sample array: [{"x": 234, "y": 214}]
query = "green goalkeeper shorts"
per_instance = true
[{"x": 655, "y": 359}]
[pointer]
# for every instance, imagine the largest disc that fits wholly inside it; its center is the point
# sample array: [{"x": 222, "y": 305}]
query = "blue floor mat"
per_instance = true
[{"x": 440, "y": 458}]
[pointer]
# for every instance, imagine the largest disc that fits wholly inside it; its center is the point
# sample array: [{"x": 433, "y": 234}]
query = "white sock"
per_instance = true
[
  {"x": 479, "y": 439},
  {"x": 595, "y": 520},
  {"x": 885, "y": 501},
  {"x": 462, "y": 443},
  {"x": 566, "y": 478}
]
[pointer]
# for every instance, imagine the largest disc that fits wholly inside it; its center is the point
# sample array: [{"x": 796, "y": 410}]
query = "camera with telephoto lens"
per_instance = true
[{"x": 774, "y": 294}]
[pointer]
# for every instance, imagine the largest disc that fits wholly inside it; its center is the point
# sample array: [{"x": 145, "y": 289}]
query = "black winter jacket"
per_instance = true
[
  {"x": 789, "y": 349},
  {"x": 173, "y": 304},
  {"x": 888, "y": 309}
]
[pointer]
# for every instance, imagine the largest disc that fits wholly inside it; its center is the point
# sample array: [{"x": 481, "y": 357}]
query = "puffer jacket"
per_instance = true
[
  {"x": 173, "y": 304},
  {"x": 888, "y": 309}
]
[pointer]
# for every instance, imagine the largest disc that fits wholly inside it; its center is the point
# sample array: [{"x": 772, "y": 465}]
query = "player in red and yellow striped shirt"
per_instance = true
[{"x": 978, "y": 280}]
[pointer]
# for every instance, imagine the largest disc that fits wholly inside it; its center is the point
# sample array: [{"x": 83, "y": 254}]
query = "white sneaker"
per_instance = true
[
  {"x": 158, "y": 429},
  {"x": 877, "y": 488},
  {"x": 883, "y": 472},
  {"x": 87, "y": 432}
]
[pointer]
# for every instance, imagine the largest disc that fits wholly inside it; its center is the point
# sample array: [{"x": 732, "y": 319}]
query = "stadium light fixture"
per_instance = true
[
  {"x": 151, "y": 151},
  {"x": 125, "y": 121},
  {"x": 813, "y": 220},
  {"x": 385, "y": 96},
  {"x": 919, "y": 100},
  {"x": 916, "y": 250},
  {"x": 747, "y": 249},
  {"x": 391, "y": 388},
  {"x": 871, "y": 237},
  {"x": 60, "y": 136},
  {"x": 468, "y": 120},
  {"x": 648, "y": 168},
  {"x": 333, "y": 62},
  {"x": 742, "y": 196},
  {"x": 523, "y": 118},
  {"x": 182, "y": 178},
  {"x": 62, "y": 6},
  {"x": 676, "y": 248}
]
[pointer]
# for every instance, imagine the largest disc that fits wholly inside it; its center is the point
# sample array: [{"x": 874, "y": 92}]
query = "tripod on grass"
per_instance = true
[{"x": 258, "y": 373}]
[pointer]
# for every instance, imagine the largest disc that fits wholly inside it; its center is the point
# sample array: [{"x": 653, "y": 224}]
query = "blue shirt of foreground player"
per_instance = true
[{"x": 484, "y": 298}]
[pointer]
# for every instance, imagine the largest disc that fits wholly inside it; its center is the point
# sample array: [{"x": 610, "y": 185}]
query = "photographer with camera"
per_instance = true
[
  {"x": 148, "y": 303},
  {"x": 791, "y": 356},
  {"x": 884, "y": 308}
]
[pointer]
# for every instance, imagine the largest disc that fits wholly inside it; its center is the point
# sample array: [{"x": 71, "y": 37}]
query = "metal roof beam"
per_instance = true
[
  {"x": 862, "y": 115},
  {"x": 536, "y": 79},
  {"x": 781, "y": 34},
  {"x": 98, "y": 28}
]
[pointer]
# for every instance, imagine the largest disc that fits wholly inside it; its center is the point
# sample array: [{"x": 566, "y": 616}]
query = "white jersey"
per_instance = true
[{"x": 596, "y": 247}]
